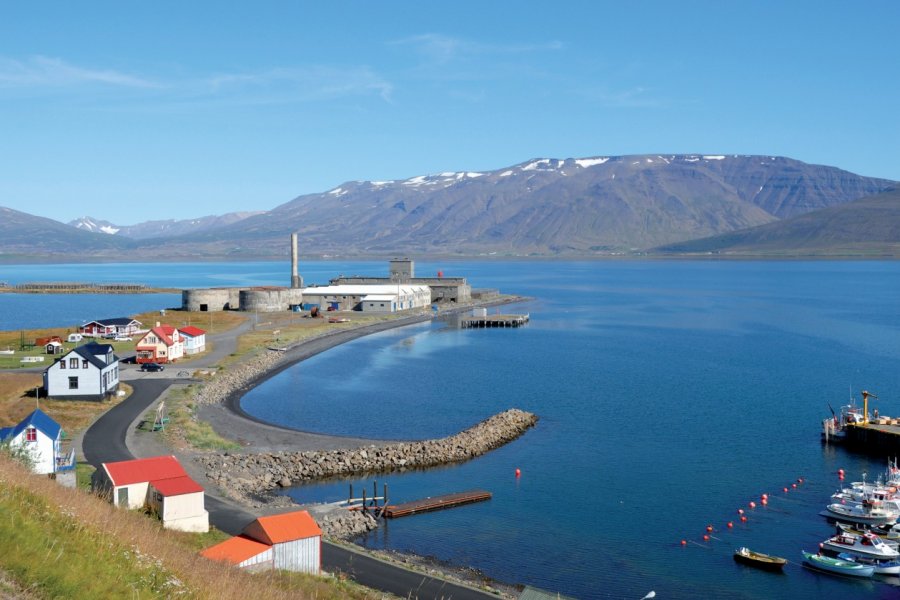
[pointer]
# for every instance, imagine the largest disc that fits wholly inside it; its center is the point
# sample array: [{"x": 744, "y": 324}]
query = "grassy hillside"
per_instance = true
[
  {"x": 63, "y": 543},
  {"x": 866, "y": 228}
]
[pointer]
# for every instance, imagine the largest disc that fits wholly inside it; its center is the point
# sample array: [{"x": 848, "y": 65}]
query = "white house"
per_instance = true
[
  {"x": 90, "y": 371},
  {"x": 368, "y": 298},
  {"x": 41, "y": 437},
  {"x": 290, "y": 541},
  {"x": 159, "y": 483},
  {"x": 193, "y": 339}
]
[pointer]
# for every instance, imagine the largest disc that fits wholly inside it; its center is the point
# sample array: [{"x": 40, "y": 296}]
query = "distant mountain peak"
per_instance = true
[{"x": 94, "y": 225}]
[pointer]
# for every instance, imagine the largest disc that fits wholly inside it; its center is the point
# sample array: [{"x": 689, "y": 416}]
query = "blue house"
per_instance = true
[{"x": 41, "y": 438}]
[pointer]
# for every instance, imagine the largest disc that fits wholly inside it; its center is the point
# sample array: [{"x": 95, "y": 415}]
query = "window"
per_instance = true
[
  {"x": 31, "y": 434},
  {"x": 73, "y": 363},
  {"x": 62, "y": 364},
  {"x": 73, "y": 383},
  {"x": 84, "y": 364}
]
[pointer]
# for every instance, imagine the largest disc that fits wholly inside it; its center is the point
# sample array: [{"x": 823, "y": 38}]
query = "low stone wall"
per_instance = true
[
  {"x": 248, "y": 476},
  {"x": 346, "y": 525}
]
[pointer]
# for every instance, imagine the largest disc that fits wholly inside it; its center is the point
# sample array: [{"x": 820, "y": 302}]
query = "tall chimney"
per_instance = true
[{"x": 296, "y": 281}]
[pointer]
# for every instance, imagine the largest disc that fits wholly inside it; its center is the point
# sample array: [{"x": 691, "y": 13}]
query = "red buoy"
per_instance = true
[
  {"x": 799, "y": 480},
  {"x": 518, "y": 472},
  {"x": 705, "y": 538},
  {"x": 765, "y": 496},
  {"x": 764, "y": 501},
  {"x": 743, "y": 519},
  {"x": 793, "y": 485},
  {"x": 752, "y": 504},
  {"x": 840, "y": 471},
  {"x": 785, "y": 489},
  {"x": 740, "y": 511},
  {"x": 709, "y": 528},
  {"x": 730, "y": 524},
  {"x": 684, "y": 542}
]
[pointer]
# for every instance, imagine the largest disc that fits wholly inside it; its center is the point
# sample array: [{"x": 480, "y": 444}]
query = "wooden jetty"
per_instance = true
[
  {"x": 478, "y": 322},
  {"x": 436, "y": 503}
]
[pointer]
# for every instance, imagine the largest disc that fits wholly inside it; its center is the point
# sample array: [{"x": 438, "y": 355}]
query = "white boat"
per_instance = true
[
  {"x": 852, "y": 513},
  {"x": 882, "y": 567},
  {"x": 867, "y": 545},
  {"x": 888, "y": 534}
]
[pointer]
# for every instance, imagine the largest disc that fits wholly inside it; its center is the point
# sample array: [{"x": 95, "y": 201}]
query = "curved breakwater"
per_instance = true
[{"x": 244, "y": 476}]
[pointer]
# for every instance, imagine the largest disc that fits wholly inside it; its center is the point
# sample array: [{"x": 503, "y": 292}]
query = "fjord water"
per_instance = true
[{"x": 670, "y": 394}]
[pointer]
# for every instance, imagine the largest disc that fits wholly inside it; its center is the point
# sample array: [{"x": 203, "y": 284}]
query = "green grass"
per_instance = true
[
  {"x": 83, "y": 473},
  {"x": 182, "y": 423},
  {"x": 64, "y": 559}
]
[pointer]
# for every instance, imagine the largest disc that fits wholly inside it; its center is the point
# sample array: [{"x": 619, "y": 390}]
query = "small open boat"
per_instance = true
[
  {"x": 758, "y": 559},
  {"x": 882, "y": 567},
  {"x": 836, "y": 565}
]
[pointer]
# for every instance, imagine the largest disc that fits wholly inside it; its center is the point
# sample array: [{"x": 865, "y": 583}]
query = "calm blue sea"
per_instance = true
[{"x": 670, "y": 395}]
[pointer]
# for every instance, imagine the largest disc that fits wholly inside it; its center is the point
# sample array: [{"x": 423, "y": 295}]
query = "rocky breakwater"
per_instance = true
[
  {"x": 229, "y": 381},
  {"x": 251, "y": 477}
]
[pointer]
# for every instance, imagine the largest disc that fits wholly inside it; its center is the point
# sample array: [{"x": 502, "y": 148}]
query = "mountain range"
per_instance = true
[{"x": 544, "y": 207}]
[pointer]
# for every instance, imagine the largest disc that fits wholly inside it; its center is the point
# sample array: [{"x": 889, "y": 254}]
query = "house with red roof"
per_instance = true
[
  {"x": 290, "y": 541},
  {"x": 159, "y": 483},
  {"x": 162, "y": 344},
  {"x": 194, "y": 339}
]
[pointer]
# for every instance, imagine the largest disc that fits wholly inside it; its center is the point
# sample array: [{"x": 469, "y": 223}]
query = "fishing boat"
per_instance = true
[
  {"x": 889, "y": 533},
  {"x": 758, "y": 559},
  {"x": 882, "y": 567},
  {"x": 860, "y": 514},
  {"x": 836, "y": 565},
  {"x": 867, "y": 545}
]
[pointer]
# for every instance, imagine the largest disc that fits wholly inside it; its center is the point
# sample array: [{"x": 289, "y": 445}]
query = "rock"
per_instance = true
[{"x": 284, "y": 482}]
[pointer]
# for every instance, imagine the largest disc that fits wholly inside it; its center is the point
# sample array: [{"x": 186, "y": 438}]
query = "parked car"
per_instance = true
[
  {"x": 152, "y": 367},
  {"x": 109, "y": 336},
  {"x": 122, "y": 338}
]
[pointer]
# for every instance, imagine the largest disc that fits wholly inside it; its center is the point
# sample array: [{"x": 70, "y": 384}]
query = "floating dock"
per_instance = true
[
  {"x": 436, "y": 503},
  {"x": 483, "y": 321}
]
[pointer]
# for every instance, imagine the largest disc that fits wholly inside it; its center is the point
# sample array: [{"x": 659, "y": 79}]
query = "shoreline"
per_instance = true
[{"x": 231, "y": 421}]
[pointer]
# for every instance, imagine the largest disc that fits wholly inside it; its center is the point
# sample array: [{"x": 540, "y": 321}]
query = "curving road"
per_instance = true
[{"x": 104, "y": 441}]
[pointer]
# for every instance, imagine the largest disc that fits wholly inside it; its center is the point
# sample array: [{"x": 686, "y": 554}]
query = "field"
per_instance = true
[{"x": 71, "y": 544}]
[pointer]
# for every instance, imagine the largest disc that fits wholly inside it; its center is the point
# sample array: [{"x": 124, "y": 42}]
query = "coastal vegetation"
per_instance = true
[{"x": 71, "y": 544}]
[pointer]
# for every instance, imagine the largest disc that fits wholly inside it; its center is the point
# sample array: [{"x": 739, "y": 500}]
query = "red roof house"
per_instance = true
[
  {"x": 293, "y": 539},
  {"x": 159, "y": 483},
  {"x": 162, "y": 344},
  {"x": 194, "y": 339}
]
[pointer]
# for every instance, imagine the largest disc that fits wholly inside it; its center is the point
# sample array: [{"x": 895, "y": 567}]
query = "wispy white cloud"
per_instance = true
[
  {"x": 636, "y": 97},
  {"x": 443, "y": 48},
  {"x": 306, "y": 83},
  {"x": 46, "y": 72}
]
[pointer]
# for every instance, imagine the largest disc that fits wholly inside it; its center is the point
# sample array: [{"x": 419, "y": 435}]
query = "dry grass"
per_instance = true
[
  {"x": 17, "y": 400},
  {"x": 70, "y": 544},
  {"x": 212, "y": 322}
]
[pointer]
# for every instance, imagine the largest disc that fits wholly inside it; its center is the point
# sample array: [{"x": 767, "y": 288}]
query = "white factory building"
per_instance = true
[{"x": 368, "y": 298}]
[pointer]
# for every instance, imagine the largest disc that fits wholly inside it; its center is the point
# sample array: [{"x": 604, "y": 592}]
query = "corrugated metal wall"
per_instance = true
[
  {"x": 262, "y": 557},
  {"x": 299, "y": 555}
]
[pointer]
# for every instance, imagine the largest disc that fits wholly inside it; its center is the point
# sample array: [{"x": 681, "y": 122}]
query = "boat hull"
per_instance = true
[
  {"x": 839, "y": 513},
  {"x": 837, "y": 566},
  {"x": 760, "y": 561}
]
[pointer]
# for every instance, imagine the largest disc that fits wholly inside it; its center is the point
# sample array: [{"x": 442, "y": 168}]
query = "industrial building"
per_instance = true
[
  {"x": 443, "y": 289},
  {"x": 384, "y": 298}
]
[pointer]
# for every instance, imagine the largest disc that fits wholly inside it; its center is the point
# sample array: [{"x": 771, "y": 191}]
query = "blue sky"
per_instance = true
[{"x": 132, "y": 112}]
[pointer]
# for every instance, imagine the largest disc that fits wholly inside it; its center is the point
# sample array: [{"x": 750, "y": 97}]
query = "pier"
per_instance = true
[
  {"x": 483, "y": 321},
  {"x": 435, "y": 503},
  {"x": 875, "y": 437}
]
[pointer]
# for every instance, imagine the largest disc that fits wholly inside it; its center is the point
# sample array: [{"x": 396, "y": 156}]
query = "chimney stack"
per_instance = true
[{"x": 296, "y": 280}]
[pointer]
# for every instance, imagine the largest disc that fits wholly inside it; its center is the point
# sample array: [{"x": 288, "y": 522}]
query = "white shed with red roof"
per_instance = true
[
  {"x": 194, "y": 339},
  {"x": 159, "y": 483}
]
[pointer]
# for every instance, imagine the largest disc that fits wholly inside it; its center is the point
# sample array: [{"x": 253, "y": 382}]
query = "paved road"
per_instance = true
[{"x": 104, "y": 441}]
